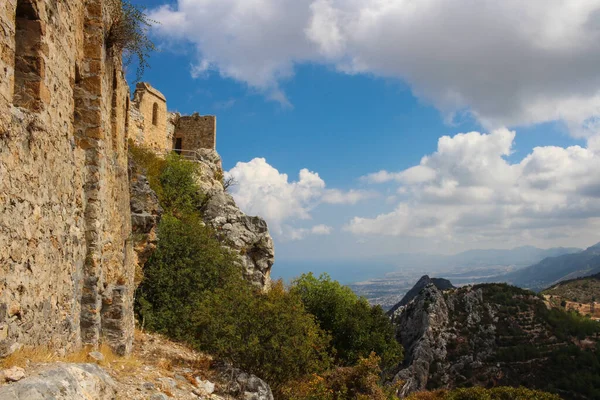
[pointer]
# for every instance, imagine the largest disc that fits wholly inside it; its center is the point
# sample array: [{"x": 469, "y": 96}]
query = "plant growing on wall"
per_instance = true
[{"x": 128, "y": 34}]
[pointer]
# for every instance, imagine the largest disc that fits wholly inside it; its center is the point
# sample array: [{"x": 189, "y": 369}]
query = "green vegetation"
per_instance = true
[
  {"x": 478, "y": 393},
  {"x": 359, "y": 382},
  {"x": 570, "y": 323},
  {"x": 549, "y": 349},
  {"x": 174, "y": 283},
  {"x": 507, "y": 296},
  {"x": 583, "y": 290},
  {"x": 357, "y": 328},
  {"x": 192, "y": 291},
  {"x": 129, "y": 34},
  {"x": 173, "y": 180},
  {"x": 573, "y": 370},
  {"x": 269, "y": 334}
]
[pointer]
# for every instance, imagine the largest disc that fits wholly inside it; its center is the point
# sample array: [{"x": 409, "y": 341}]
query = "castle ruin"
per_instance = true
[
  {"x": 159, "y": 129},
  {"x": 66, "y": 256}
]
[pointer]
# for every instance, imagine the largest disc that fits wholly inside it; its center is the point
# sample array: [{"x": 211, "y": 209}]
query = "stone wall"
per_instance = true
[
  {"x": 66, "y": 261},
  {"x": 154, "y": 127},
  {"x": 151, "y": 106},
  {"x": 196, "y": 132}
]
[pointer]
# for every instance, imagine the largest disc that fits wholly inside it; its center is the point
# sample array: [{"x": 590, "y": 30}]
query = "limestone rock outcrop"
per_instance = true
[
  {"x": 145, "y": 216},
  {"x": 62, "y": 381},
  {"x": 242, "y": 385},
  {"x": 447, "y": 334},
  {"x": 421, "y": 328},
  {"x": 247, "y": 236},
  {"x": 441, "y": 284},
  {"x": 482, "y": 335}
]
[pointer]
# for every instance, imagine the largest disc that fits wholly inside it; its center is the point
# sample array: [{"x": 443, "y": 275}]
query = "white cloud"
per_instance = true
[
  {"x": 474, "y": 194},
  {"x": 321, "y": 229},
  {"x": 415, "y": 174},
  {"x": 336, "y": 196},
  {"x": 508, "y": 62},
  {"x": 291, "y": 233},
  {"x": 262, "y": 190}
]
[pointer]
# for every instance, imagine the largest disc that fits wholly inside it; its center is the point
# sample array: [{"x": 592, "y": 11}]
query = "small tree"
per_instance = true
[
  {"x": 128, "y": 34},
  {"x": 188, "y": 262},
  {"x": 357, "y": 328},
  {"x": 268, "y": 334}
]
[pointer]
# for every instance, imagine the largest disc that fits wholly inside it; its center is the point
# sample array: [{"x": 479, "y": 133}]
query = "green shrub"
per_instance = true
[
  {"x": 268, "y": 334},
  {"x": 173, "y": 178},
  {"x": 188, "y": 262},
  {"x": 479, "y": 393},
  {"x": 150, "y": 164},
  {"x": 193, "y": 291},
  {"x": 570, "y": 323},
  {"x": 357, "y": 329},
  {"x": 179, "y": 192},
  {"x": 359, "y": 382}
]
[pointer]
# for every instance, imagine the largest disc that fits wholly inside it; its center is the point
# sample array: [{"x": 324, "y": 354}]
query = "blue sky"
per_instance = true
[{"x": 316, "y": 85}]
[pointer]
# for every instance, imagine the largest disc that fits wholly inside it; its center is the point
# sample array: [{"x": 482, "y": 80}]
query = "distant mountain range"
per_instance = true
[
  {"x": 551, "y": 270},
  {"x": 519, "y": 256},
  {"x": 395, "y": 275}
]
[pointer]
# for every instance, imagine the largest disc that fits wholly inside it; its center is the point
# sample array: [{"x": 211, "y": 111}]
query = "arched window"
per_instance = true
[
  {"x": 29, "y": 62},
  {"x": 155, "y": 114}
]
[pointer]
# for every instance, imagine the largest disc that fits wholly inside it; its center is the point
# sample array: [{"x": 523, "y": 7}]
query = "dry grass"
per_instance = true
[
  {"x": 39, "y": 355},
  {"x": 165, "y": 364},
  {"x": 23, "y": 357}
]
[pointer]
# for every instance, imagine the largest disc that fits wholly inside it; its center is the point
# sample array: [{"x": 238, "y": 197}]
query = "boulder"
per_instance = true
[
  {"x": 13, "y": 374},
  {"x": 63, "y": 381},
  {"x": 242, "y": 385}
]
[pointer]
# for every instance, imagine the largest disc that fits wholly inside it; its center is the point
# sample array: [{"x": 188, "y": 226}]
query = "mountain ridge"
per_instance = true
[{"x": 552, "y": 270}]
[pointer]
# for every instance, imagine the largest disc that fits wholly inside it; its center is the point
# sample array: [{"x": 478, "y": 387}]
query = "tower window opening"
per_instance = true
[{"x": 155, "y": 114}]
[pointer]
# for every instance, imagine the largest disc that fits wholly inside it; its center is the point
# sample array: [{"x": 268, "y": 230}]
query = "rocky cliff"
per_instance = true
[
  {"x": 247, "y": 236},
  {"x": 441, "y": 284},
  {"x": 488, "y": 335},
  {"x": 145, "y": 216}
]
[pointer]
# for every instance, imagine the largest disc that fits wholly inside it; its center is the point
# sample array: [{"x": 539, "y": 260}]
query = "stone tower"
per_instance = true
[{"x": 156, "y": 128}]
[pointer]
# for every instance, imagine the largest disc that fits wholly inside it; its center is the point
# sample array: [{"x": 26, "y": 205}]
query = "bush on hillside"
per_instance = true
[
  {"x": 359, "y": 382},
  {"x": 268, "y": 334},
  {"x": 193, "y": 291},
  {"x": 570, "y": 323},
  {"x": 173, "y": 178},
  {"x": 179, "y": 192},
  {"x": 188, "y": 262},
  {"x": 357, "y": 329},
  {"x": 479, "y": 393}
]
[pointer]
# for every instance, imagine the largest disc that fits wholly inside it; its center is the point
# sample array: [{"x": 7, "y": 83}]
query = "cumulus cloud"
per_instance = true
[
  {"x": 262, "y": 190},
  {"x": 508, "y": 62},
  {"x": 336, "y": 196},
  {"x": 471, "y": 192},
  {"x": 292, "y": 233}
]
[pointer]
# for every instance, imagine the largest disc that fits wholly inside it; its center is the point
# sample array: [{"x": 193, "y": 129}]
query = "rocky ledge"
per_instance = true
[
  {"x": 158, "y": 369},
  {"x": 248, "y": 236}
]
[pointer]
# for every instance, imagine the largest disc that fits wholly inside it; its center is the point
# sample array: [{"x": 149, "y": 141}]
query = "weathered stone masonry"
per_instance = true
[
  {"x": 158, "y": 129},
  {"x": 66, "y": 262}
]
